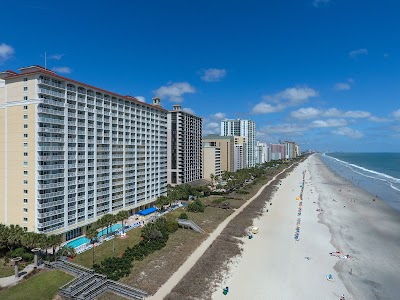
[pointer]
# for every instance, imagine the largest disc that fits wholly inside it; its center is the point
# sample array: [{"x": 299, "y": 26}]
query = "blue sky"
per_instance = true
[{"x": 325, "y": 73}]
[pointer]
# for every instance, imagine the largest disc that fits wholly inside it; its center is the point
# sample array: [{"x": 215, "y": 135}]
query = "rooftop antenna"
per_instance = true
[{"x": 45, "y": 61}]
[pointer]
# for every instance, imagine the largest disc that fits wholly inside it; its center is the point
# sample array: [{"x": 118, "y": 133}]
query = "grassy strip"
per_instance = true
[
  {"x": 41, "y": 286},
  {"x": 106, "y": 249}
]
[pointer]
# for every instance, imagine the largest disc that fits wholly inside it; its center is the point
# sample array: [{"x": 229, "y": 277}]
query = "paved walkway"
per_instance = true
[
  {"x": 11, "y": 280},
  {"x": 167, "y": 287}
]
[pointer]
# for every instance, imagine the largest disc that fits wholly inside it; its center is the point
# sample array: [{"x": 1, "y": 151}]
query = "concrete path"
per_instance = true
[
  {"x": 167, "y": 287},
  {"x": 11, "y": 280}
]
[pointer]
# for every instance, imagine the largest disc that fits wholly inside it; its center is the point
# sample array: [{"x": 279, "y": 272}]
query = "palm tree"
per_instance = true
[
  {"x": 121, "y": 216},
  {"x": 15, "y": 233},
  {"x": 54, "y": 241},
  {"x": 29, "y": 240},
  {"x": 91, "y": 234},
  {"x": 212, "y": 177}
]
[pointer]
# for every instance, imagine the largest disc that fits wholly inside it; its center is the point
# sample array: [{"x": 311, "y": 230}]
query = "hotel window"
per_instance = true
[
  {"x": 25, "y": 200},
  {"x": 25, "y": 126},
  {"x": 25, "y": 97},
  {"x": 25, "y": 163},
  {"x": 26, "y": 228},
  {"x": 25, "y": 191},
  {"x": 25, "y": 117},
  {"x": 25, "y": 172},
  {"x": 25, "y": 154},
  {"x": 25, "y": 106},
  {"x": 25, "y": 219},
  {"x": 25, "y": 145},
  {"x": 25, "y": 181},
  {"x": 25, "y": 135},
  {"x": 25, "y": 88},
  {"x": 25, "y": 209},
  {"x": 25, "y": 78}
]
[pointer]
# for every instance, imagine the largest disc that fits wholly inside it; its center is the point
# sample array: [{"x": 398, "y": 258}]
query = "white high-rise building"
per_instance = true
[
  {"x": 261, "y": 152},
  {"x": 72, "y": 152},
  {"x": 246, "y": 128},
  {"x": 184, "y": 146}
]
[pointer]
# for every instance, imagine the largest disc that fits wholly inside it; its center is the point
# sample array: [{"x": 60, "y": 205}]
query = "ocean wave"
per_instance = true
[{"x": 391, "y": 178}]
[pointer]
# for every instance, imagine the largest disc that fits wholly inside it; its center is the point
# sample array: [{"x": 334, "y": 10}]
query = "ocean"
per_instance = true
[{"x": 377, "y": 173}]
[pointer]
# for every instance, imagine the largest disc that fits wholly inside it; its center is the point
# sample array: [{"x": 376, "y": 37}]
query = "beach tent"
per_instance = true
[{"x": 297, "y": 198}]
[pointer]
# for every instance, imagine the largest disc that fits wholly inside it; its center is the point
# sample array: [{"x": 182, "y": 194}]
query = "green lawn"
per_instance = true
[
  {"x": 42, "y": 286},
  {"x": 6, "y": 271},
  {"x": 106, "y": 249}
]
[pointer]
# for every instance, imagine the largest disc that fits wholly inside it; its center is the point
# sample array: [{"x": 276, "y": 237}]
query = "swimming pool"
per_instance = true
[
  {"x": 78, "y": 242},
  {"x": 115, "y": 227},
  {"x": 83, "y": 240}
]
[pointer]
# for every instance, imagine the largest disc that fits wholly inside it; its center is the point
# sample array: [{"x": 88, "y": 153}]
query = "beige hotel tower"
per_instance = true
[{"x": 71, "y": 152}]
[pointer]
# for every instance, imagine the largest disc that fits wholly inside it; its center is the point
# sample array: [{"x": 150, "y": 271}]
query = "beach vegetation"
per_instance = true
[
  {"x": 196, "y": 206},
  {"x": 183, "y": 216}
]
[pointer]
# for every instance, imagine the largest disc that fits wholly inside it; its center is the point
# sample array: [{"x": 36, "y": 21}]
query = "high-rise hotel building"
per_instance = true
[
  {"x": 184, "y": 146},
  {"x": 71, "y": 152},
  {"x": 246, "y": 128}
]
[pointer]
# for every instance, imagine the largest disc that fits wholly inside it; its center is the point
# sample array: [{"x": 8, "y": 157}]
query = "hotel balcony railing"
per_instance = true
[
  {"x": 50, "y": 167},
  {"x": 50, "y": 223},
  {"x": 50, "y": 130},
  {"x": 54, "y": 103},
  {"x": 50, "y": 213},
  {"x": 50, "y": 185},
  {"x": 51, "y": 176},
  {"x": 50, "y": 120},
  {"x": 50, "y": 92},
  {"x": 50, "y": 204},
  {"x": 50, "y": 157},
  {"x": 50, "y": 195}
]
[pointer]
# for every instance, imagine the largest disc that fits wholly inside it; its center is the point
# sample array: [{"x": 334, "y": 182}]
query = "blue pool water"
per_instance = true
[
  {"x": 83, "y": 240},
  {"x": 78, "y": 242},
  {"x": 115, "y": 227}
]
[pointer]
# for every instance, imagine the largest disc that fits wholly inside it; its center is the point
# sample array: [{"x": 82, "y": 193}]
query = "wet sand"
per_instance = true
[{"x": 275, "y": 266}]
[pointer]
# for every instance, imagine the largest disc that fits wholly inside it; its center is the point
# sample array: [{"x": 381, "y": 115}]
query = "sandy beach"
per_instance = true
[{"x": 275, "y": 266}]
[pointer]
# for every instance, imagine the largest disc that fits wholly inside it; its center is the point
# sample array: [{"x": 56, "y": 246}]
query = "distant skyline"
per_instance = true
[{"x": 323, "y": 73}]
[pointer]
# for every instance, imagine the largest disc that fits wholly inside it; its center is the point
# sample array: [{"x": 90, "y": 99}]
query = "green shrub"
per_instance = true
[
  {"x": 242, "y": 192},
  {"x": 183, "y": 216},
  {"x": 172, "y": 226},
  {"x": 196, "y": 206},
  {"x": 219, "y": 200},
  {"x": 114, "y": 267}
]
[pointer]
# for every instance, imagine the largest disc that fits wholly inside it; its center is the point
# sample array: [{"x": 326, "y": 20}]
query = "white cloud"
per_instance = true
[
  {"x": 329, "y": 123},
  {"x": 174, "y": 91},
  {"x": 266, "y": 108},
  {"x": 311, "y": 112},
  {"x": 62, "y": 70},
  {"x": 318, "y": 3},
  {"x": 218, "y": 116},
  {"x": 356, "y": 114},
  {"x": 189, "y": 110},
  {"x": 55, "y": 56},
  {"x": 296, "y": 95},
  {"x": 377, "y": 119},
  {"x": 141, "y": 98},
  {"x": 396, "y": 113},
  {"x": 211, "y": 127},
  {"x": 6, "y": 52},
  {"x": 349, "y": 132},
  {"x": 306, "y": 113},
  {"x": 342, "y": 86},
  {"x": 288, "y": 97},
  {"x": 358, "y": 52},
  {"x": 213, "y": 75}
]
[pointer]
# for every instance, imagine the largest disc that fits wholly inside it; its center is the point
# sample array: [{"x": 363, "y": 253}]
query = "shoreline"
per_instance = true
[
  {"x": 273, "y": 266},
  {"x": 368, "y": 230}
]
